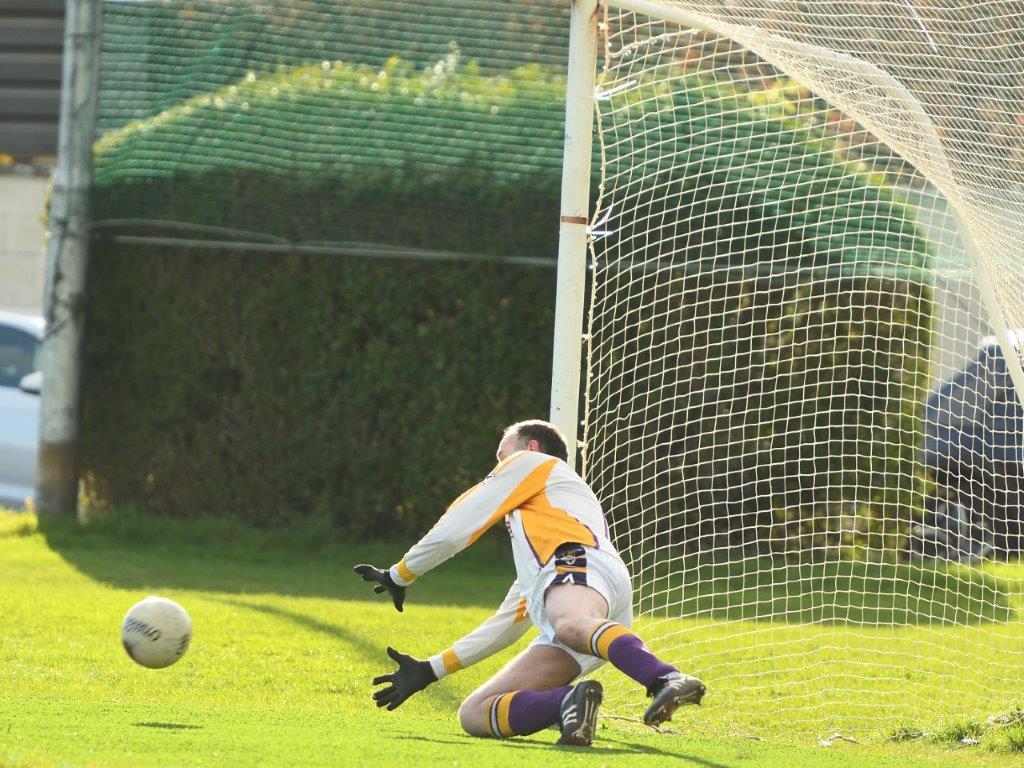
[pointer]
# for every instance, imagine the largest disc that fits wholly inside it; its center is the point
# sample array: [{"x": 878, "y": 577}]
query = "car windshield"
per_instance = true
[{"x": 19, "y": 353}]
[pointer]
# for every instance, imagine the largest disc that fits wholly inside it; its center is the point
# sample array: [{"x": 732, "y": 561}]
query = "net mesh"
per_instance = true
[{"x": 804, "y": 433}]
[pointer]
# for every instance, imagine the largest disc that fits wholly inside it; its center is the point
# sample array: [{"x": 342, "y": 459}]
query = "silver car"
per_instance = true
[{"x": 21, "y": 337}]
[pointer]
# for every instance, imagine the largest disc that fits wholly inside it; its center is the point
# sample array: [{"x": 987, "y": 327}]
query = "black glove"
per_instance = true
[
  {"x": 411, "y": 676},
  {"x": 384, "y": 583}
]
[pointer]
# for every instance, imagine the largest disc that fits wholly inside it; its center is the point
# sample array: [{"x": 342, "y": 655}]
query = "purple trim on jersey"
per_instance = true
[{"x": 536, "y": 556}]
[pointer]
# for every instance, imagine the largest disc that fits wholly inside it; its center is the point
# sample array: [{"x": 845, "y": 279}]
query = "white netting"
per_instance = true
[{"x": 808, "y": 442}]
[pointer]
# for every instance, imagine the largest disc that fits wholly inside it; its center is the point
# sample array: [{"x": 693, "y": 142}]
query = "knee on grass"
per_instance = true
[{"x": 472, "y": 717}]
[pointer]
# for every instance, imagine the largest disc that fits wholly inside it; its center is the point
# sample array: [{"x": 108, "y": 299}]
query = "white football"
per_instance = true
[{"x": 156, "y": 632}]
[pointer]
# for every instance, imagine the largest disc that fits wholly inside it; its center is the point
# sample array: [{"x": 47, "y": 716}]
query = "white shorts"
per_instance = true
[{"x": 605, "y": 573}]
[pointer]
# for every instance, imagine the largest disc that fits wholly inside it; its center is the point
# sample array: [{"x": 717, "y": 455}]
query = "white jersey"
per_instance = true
[{"x": 544, "y": 504}]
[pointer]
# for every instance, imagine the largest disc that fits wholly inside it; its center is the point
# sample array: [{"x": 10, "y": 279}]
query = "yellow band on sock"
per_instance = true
[
  {"x": 604, "y": 634},
  {"x": 489, "y": 718},
  {"x": 504, "y": 708},
  {"x": 498, "y": 708}
]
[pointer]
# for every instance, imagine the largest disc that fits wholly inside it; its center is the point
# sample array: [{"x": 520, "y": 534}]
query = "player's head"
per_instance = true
[{"x": 533, "y": 435}]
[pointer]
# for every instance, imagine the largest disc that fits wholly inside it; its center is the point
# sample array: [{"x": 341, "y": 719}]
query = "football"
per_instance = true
[{"x": 156, "y": 632}]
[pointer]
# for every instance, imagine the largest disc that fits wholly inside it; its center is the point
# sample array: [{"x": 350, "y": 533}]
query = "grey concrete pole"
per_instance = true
[{"x": 67, "y": 260}]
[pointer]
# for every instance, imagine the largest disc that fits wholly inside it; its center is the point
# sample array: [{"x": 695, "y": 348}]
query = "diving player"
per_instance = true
[{"x": 571, "y": 584}]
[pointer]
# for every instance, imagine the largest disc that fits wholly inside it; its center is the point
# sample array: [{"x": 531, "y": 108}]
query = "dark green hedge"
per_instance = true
[
  {"x": 776, "y": 411},
  {"x": 274, "y": 388}
]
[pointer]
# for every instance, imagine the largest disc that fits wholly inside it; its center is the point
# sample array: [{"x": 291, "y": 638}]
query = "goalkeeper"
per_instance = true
[{"x": 571, "y": 585}]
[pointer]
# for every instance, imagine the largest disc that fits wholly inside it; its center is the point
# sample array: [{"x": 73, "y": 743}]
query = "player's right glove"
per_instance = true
[
  {"x": 384, "y": 583},
  {"x": 411, "y": 676}
]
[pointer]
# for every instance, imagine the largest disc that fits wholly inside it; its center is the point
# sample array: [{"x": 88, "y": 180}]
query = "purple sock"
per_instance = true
[
  {"x": 615, "y": 643},
  {"x": 521, "y": 713}
]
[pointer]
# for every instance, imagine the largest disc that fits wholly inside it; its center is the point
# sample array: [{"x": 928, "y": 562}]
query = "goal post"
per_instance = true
[
  {"x": 573, "y": 221},
  {"x": 810, "y": 449}
]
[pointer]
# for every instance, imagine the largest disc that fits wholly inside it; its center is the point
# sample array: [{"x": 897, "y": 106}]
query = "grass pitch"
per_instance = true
[{"x": 286, "y": 640}]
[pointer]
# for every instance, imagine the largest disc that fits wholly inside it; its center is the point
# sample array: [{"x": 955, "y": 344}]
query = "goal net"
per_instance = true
[{"x": 806, "y": 275}]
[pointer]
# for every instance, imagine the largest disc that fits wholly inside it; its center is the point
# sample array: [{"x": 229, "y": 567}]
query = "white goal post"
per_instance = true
[
  {"x": 790, "y": 285},
  {"x": 573, "y": 220}
]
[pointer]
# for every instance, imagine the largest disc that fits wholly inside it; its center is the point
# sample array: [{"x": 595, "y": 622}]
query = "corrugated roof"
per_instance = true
[{"x": 31, "y": 45}]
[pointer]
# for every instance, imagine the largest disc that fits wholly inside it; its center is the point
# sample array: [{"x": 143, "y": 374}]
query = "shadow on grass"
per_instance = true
[
  {"x": 169, "y": 726},
  {"x": 599, "y": 748},
  {"x": 153, "y": 554},
  {"x": 647, "y": 749},
  {"x": 829, "y": 592},
  {"x": 156, "y": 554},
  {"x": 356, "y": 641}
]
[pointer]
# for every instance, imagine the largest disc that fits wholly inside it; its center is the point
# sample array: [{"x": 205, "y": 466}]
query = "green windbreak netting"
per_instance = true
[
  {"x": 434, "y": 125},
  {"x": 158, "y": 52}
]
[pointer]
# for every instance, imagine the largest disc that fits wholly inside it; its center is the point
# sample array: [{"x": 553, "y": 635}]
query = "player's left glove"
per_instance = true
[
  {"x": 384, "y": 583},
  {"x": 411, "y": 676}
]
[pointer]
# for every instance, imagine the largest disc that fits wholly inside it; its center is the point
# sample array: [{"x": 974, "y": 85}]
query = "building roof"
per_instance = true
[{"x": 31, "y": 45}]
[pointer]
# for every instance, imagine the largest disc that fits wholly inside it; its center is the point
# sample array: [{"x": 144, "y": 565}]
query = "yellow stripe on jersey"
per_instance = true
[
  {"x": 546, "y": 526},
  {"x": 506, "y": 461},
  {"x": 520, "y": 611},
  {"x": 466, "y": 494},
  {"x": 530, "y": 486},
  {"x": 500, "y": 466},
  {"x": 404, "y": 572},
  {"x": 451, "y": 661}
]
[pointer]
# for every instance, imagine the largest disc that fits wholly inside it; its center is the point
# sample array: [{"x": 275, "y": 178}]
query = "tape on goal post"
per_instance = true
[{"x": 807, "y": 271}]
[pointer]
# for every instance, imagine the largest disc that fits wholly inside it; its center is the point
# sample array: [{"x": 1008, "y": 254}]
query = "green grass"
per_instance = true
[
  {"x": 286, "y": 640},
  {"x": 844, "y": 592}
]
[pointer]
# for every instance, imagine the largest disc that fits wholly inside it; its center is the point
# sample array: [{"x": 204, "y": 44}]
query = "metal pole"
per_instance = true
[
  {"x": 67, "y": 259},
  {"x": 573, "y": 236}
]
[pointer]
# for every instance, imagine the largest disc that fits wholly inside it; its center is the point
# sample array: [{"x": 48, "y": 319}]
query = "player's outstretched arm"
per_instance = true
[
  {"x": 511, "y": 483},
  {"x": 384, "y": 583},
  {"x": 412, "y": 676},
  {"x": 502, "y": 629}
]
